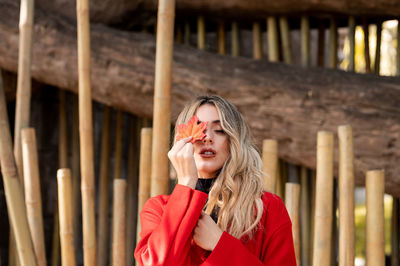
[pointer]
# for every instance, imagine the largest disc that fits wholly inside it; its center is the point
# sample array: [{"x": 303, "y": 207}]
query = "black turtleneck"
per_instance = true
[{"x": 204, "y": 185}]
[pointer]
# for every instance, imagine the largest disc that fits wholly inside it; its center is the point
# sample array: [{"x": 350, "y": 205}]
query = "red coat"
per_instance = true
[{"x": 168, "y": 222}]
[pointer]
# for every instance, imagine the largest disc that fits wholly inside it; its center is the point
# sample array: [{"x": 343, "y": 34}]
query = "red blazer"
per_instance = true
[{"x": 168, "y": 222}]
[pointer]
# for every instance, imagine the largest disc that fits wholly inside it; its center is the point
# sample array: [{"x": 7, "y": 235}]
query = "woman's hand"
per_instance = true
[
  {"x": 181, "y": 157},
  {"x": 206, "y": 233}
]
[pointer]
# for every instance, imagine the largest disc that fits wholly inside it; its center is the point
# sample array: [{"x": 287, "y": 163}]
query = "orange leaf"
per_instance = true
[{"x": 193, "y": 128}]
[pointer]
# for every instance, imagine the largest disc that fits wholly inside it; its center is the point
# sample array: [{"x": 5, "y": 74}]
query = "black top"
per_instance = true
[{"x": 204, "y": 185}]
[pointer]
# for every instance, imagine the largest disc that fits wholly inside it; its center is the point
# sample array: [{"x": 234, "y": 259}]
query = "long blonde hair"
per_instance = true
[{"x": 237, "y": 190}]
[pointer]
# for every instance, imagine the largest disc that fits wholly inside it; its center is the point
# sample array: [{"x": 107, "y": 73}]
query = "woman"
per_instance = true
[{"x": 221, "y": 174}]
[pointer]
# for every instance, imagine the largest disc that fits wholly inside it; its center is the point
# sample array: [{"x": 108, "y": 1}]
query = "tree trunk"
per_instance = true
[{"x": 288, "y": 103}]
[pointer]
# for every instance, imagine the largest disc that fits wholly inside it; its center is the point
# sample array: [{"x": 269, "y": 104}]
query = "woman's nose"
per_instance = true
[{"x": 207, "y": 139}]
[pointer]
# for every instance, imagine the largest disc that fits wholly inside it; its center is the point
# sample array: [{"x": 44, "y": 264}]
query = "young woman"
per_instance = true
[{"x": 218, "y": 213}]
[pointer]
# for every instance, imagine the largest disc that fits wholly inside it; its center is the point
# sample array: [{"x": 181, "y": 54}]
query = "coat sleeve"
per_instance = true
[{"x": 167, "y": 227}]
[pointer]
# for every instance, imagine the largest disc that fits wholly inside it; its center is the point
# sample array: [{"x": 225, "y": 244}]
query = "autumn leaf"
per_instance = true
[{"x": 193, "y": 128}]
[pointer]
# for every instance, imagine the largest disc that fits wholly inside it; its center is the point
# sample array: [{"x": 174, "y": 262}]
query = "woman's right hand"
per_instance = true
[{"x": 181, "y": 157}]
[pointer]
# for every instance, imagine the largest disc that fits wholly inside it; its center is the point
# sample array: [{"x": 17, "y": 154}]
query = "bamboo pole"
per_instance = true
[
  {"x": 162, "y": 98},
  {"x": 102, "y": 232},
  {"x": 292, "y": 202},
  {"x": 395, "y": 232},
  {"x": 305, "y": 214},
  {"x": 375, "y": 247},
  {"x": 119, "y": 223},
  {"x": 235, "y": 39},
  {"x": 201, "y": 33},
  {"x": 285, "y": 37},
  {"x": 55, "y": 244},
  {"x": 398, "y": 48},
  {"x": 270, "y": 164},
  {"x": 257, "y": 41},
  {"x": 132, "y": 188},
  {"x": 282, "y": 178},
  {"x": 366, "y": 46},
  {"x": 323, "y": 200},
  {"x": 346, "y": 197},
  {"x": 333, "y": 44},
  {"x": 118, "y": 146},
  {"x": 305, "y": 41},
  {"x": 313, "y": 189},
  {"x": 377, "y": 67},
  {"x": 33, "y": 198},
  {"x": 221, "y": 38},
  {"x": 65, "y": 214},
  {"x": 13, "y": 191},
  {"x": 179, "y": 34},
  {"x": 321, "y": 44},
  {"x": 272, "y": 35},
  {"x": 352, "y": 42},
  {"x": 75, "y": 171},
  {"x": 186, "y": 34},
  {"x": 144, "y": 172}
]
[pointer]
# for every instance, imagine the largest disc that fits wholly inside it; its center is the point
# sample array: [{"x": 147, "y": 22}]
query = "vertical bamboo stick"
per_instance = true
[
  {"x": 321, "y": 44},
  {"x": 119, "y": 223},
  {"x": 221, "y": 38},
  {"x": 272, "y": 35},
  {"x": 144, "y": 171},
  {"x": 323, "y": 200},
  {"x": 375, "y": 247},
  {"x": 395, "y": 232},
  {"x": 179, "y": 34},
  {"x": 55, "y": 244},
  {"x": 270, "y": 164},
  {"x": 235, "y": 39},
  {"x": 398, "y": 48},
  {"x": 75, "y": 170},
  {"x": 305, "y": 41},
  {"x": 346, "y": 197},
  {"x": 313, "y": 188},
  {"x": 201, "y": 33},
  {"x": 186, "y": 34},
  {"x": 305, "y": 215},
  {"x": 281, "y": 180},
  {"x": 352, "y": 42},
  {"x": 33, "y": 198},
  {"x": 333, "y": 45},
  {"x": 13, "y": 191},
  {"x": 104, "y": 177},
  {"x": 65, "y": 214},
  {"x": 366, "y": 46},
  {"x": 257, "y": 41},
  {"x": 292, "y": 202},
  {"x": 118, "y": 146},
  {"x": 285, "y": 37},
  {"x": 132, "y": 188},
  {"x": 377, "y": 67},
  {"x": 162, "y": 98},
  {"x": 86, "y": 134}
]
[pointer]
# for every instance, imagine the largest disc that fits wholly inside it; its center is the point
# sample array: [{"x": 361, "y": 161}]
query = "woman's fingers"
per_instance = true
[{"x": 179, "y": 145}]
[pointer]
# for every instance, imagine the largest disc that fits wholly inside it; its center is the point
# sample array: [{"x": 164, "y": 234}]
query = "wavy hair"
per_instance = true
[{"x": 236, "y": 193}]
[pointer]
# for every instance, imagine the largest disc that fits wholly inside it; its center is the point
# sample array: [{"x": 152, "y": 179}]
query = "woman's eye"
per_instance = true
[{"x": 220, "y": 131}]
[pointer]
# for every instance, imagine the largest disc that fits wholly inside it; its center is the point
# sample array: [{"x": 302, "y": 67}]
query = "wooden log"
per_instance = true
[
  {"x": 292, "y": 202},
  {"x": 270, "y": 164},
  {"x": 235, "y": 39},
  {"x": 201, "y": 33},
  {"x": 366, "y": 46},
  {"x": 119, "y": 223},
  {"x": 286, "y": 40},
  {"x": 352, "y": 43},
  {"x": 33, "y": 199},
  {"x": 86, "y": 134},
  {"x": 75, "y": 171},
  {"x": 162, "y": 98},
  {"x": 305, "y": 216},
  {"x": 132, "y": 188},
  {"x": 221, "y": 38},
  {"x": 346, "y": 197},
  {"x": 13, "y": 191},
  {"x": 377, "y": 66},
  {"x": 104, "y": 182},
  {"x": 272, "y": 39},
  {"x": 323, "y": 200},
  {"x": 333, "y": 44},
  {"x": 118, "y": 146},
  {"x": 257, "y": 41},
  {"x": 305, "y": 41},
  {"x": 321, "y": 45},
  {"x": 144, "y": 172},
  {"x": 65, "y": 213},
  {"x": 375, "y": 246},
  {"x": 395, "y": 233}
]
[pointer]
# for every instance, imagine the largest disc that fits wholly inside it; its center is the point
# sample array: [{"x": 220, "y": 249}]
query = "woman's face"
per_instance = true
[{"x": 211, "y": 153}]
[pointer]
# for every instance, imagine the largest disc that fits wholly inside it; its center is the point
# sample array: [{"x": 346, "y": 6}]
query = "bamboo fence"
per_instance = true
[
  {"x": 270, "y": 163},
  {"x": 305, "y": 216},
  {"x": 221, "y": 38},
  {"x": 119, "y": 223},
  {"x": 162, "y": 97},
  {"x": 285, "y": 38},
  {"x": 65, "y": 213},
  {"x": 273, "y": 42},
  {"x": 75, "y": 170},
  {"x": 235, "y": 39},
  {"x": 257, "y": 41},
  {"x": 305, "y": 41},
  {"x": 201, "y": 33},
  {"x": 33, "y": 199},
  {"x": 292, "y": 202}
]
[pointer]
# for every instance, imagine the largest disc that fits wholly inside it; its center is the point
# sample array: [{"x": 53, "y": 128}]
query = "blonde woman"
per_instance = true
[{"x": 218, "y": 213}]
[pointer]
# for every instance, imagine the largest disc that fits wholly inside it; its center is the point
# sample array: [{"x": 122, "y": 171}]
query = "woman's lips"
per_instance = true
[{"x": 207, "y": 153}]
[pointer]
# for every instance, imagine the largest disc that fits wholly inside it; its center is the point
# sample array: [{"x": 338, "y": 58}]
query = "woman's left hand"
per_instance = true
[{"x": 206, "y": 233}]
